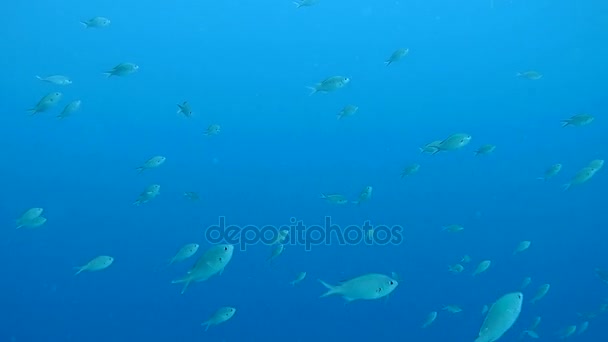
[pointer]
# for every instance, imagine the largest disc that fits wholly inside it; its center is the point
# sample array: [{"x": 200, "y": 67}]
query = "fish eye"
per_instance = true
[
  {"x": 391, "y": 282},
  {"x": 225, "y": 248}
]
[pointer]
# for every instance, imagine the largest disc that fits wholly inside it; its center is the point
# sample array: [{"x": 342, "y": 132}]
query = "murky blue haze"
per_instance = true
[{"x": 245, "y": 65}]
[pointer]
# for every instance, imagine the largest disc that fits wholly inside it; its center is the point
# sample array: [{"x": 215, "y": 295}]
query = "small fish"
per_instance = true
[
  {"x": 540, "y": 293},
  {"x": 46, "y": 102},
  {"x": 581, "y": 177},
  {"x": 430, "y": 318},
  {"x": 578, "y": 120},
  {"x": 191, "y": 195},
  {"x": 530, "y": 75},
  {"x": 97, "y": 22},
  {"x": 551, "y": 172},
  {"x": 276, "y": 252},
  {"x": 335, "y": 198},
  {"x": 298, "y": 278},
  {"x": 366, "y": 287},
  {"x": 305, "y": 3},
  {"x": 482, "y": 267},
  {"x": 525, "y": 283},
  {"x": 365, "y": 195},
  {"x": 452, "y": 309},
  {"x": 69, "y": 109},
  {"x": 28, "y": 216},
  {"x": 454, "y": 142},
  {"x": 485, "y": 149},
  {"x": 220, "y": 316},
  {"x": 213, "y": 130},
  {"x": 185, "y": 109},
  {"x": 152, "y": 163},
  {"x": 122, "y": 69},
  {"x": 583, "y": 327},
  {"x": 330, "y": 84},
  {"x": 348, "y": 110},
  {"x": 212, "y": 262},
  {"x": 396, "y": 56},
  {"x": 56, "y": 79},
  {"x": 566, "y": 332},
  {"x": 187, "y": 251},
  {"x": 410, "y": 170},
  {"x": 452, "y": 228},
  {"x": 147, "y": 195},
  {"x": 97, "y": 264},
  {"x": 522, "y": 246},
  {"x": 602, "y": 274},
  {"x": 501, "y": 317},
  {"x": 457, "y": 268}
]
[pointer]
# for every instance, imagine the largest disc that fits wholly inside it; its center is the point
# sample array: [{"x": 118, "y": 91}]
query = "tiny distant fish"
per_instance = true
[
  {"x": 213, "y": 130},
  {"x": 330, "y": 84},
  {"x": 97, "y": 22},
  {"x": 184, "y": 109},
  {"x": 305, "y": 3},
  {"x": 46, "y": 102},
  {"x": 122, "y": 69},
  {"x": 396, "y": 56},
  {"x": 69, "y": 109},
  {"x": 530, "y": 75},
  {"x": 55, "y": 79}
]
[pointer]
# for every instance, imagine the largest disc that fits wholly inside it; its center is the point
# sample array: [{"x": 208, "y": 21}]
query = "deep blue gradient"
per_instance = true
[{"x": 245, "y": 65}]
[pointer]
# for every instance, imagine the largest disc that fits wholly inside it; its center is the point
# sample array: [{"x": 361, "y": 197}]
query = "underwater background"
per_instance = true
[{"x": 246, "y": 66}]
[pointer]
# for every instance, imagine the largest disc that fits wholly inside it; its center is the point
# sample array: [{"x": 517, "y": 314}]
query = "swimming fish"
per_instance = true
[
  {"x": 501, "y": 317},
  {"x": 366, "y": 287},
  {"x": 97, "y": 264}
]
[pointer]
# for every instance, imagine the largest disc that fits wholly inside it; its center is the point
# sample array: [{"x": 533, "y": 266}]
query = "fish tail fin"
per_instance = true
[
  {"x": 298, "y": 5},
  {"x": 313, "y": 90},
  {"x": 79, "y": 270},
  {"x": 86, "y": 25},
  {"x": 108, "y": 74},
  {"x": 186, "y": 281},
  {"x": 207, "y": 325},
  {"x": 565, "y": 123},
  {"x": 38, "y": 77},
  {"x": 541, "y": 178},
  {"x": 139, "y": 170},
  {"x": 323, "y": 196},
  {"x": 330, "y": 289},
  {"x": 387, "y": 63},
  {"x": 566, "y": 186}
]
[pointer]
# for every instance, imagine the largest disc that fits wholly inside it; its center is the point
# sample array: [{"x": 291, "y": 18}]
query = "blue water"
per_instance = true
[{"x": 246, "y": 65}]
